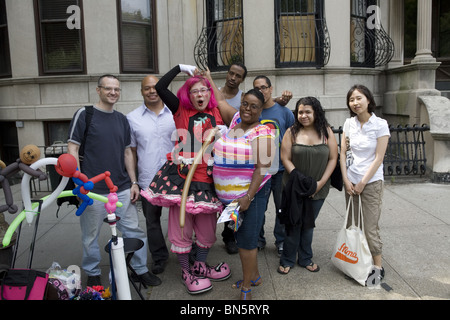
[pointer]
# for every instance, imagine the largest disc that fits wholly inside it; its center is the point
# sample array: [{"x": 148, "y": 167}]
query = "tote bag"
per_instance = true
[{"x": 351, "y": 253}]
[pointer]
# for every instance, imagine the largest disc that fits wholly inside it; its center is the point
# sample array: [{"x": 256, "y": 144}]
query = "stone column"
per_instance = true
[
  {"x": 396, "y": 31},
  {"x": 424, "y": 22}
]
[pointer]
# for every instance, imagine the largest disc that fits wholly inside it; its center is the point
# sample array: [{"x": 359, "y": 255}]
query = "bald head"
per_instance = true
[{"x": 149, "y": 80}]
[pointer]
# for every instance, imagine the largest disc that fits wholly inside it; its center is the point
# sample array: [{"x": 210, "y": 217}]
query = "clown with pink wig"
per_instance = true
[{"x": 196, "y": 113}]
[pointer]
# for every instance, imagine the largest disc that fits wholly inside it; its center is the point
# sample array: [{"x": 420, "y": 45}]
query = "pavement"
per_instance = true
[{"x": 414, "y": 226}]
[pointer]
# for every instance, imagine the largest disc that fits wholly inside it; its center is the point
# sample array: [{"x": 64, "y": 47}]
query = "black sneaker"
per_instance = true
[
  {"x": 158, "y": 267},
  {"x": 261, "y": 245},
  {"x": 279, "y": 248},
  {"x": 147, "y": 279},
  {"x": 231, "y": 247},
  {"x": 93, "y": 281}
]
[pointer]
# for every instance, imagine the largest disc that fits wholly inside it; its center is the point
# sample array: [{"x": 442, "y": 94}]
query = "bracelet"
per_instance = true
[{"x": 251, "y": 199}]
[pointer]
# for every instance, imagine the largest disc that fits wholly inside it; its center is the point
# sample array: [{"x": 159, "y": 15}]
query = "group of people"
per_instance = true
[{"x": 259, "y": 147}]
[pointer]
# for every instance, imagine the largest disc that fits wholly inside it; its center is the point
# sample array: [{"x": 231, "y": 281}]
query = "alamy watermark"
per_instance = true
[
  {"x": 374, "y": 17},
  {"x": 74, "y": 21},
  {"x": 373, "y": 20}
]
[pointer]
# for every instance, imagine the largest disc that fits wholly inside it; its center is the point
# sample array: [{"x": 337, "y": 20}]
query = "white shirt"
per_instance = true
[
  {"x": 151, "y": 135},
  {"x": 363, "y": 143}
]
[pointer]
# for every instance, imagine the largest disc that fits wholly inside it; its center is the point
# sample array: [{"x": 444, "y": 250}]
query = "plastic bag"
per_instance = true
[{"x": 66, "y": 281}]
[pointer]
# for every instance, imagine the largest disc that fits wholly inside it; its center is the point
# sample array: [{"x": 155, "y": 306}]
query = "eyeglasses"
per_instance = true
[
  {"x": 109, "y": 89},
  {"x": 202, "y": 91},
  {"x": 262, "y": 88},
  {"x": 253, "y": 107}
]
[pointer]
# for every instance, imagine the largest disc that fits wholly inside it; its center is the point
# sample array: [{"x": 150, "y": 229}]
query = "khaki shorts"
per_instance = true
[{"x": 371, "y": 199}]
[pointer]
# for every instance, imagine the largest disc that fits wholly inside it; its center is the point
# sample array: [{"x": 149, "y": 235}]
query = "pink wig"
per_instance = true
[{"x": 184, "y": 95}]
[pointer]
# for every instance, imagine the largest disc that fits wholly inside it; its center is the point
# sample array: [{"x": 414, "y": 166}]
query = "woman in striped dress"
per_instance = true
[{"x": 242, "y": 158}]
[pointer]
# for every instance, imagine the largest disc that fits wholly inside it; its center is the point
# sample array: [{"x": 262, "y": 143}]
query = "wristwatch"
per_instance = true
[{"x": 134, "y": 182}]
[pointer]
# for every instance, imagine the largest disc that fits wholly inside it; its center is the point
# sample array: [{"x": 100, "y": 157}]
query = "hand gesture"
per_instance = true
[{"x": 188, "y": 69}]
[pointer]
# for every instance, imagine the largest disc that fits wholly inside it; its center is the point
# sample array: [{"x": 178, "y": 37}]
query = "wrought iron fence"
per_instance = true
[{"x": 405, "y": 154}]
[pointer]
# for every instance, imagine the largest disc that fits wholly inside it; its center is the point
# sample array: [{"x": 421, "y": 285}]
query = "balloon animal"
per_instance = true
[
  {"x": 67, "y": 167},
  {"x": 28, "y": 155}
]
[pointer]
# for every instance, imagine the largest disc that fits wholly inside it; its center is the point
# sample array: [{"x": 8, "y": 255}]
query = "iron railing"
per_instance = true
[
  {"x": 405, "y": 154},
  {"x": 370, "y": 45}
]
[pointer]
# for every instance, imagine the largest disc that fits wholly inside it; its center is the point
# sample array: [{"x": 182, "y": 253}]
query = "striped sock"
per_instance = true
[
  {"x": 183, "y": 259},
  {"x": 202, "y": 253}
]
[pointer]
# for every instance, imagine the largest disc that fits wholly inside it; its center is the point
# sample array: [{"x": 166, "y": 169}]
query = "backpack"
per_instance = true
[{"x": 72, "y": 200}]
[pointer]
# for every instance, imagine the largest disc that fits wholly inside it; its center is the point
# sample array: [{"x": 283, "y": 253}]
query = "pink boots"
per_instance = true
[
  {"x": 201, "y": 275},
  {"x": 195, "y": 285},
  {"x": 220, "y": 272}
]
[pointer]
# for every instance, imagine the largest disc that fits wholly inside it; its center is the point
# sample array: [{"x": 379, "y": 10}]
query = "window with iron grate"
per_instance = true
[
  {"x": 301, "y": 34},
  {"x": 221, "y": 42},
  {"x": 370, "y": 45}
]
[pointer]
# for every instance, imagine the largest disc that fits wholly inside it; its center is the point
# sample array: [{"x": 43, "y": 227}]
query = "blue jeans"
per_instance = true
[
  {"x": 253, "y": 218},
  {"x": 91, "y": 222},
  {"x": 299, "y": 241},
  {"x": 277, "y": 189}
]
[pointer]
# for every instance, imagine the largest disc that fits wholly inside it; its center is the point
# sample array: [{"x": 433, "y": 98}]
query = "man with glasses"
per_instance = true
[
  {"x": 107, "y": 148},
  {"x": 279, "y": 119}
]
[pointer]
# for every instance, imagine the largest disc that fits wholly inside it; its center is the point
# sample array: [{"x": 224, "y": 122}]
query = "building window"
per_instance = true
[
  {"x": 221, "y": 42},
  {"x": 56, "y": 132},
  {"x": 5, "y": 61},
  {"x": 301, "y": 34},
  {"x": 370, "y": 45},
  {"x": 61, "y": 45},
  {"x": 137, "y": 36}
]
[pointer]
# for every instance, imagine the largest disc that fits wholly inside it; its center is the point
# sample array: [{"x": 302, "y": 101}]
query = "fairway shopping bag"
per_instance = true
[
  {"x": 23, "y": 284},
  {"x": 351, "y": 254}
]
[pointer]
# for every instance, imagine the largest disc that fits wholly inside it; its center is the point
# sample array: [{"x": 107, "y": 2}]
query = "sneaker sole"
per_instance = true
[{"x": 198, "y": 291}]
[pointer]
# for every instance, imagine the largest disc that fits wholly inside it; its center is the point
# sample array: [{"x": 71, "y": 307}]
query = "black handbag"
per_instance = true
[{"x": 336, "y": 176}]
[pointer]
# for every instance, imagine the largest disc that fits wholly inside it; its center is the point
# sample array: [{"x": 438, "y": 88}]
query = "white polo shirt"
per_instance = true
[
  {"x": 363, "y": 143},
  {"x": 151, "y": 135}
]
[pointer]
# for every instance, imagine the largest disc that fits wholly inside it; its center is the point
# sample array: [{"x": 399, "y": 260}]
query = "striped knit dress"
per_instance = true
[{"x": 234, "y": 164}]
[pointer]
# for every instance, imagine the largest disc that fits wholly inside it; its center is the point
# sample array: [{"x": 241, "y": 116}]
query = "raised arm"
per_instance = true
[
  {"x": 168, "y": 97},
  {"x": 226, "y": 111}
]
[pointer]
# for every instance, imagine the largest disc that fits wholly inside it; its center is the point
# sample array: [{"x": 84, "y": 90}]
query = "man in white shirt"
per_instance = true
[{"x": 152, "y": 126}]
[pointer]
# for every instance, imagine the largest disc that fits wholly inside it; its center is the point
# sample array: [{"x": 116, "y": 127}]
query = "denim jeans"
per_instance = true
[
  {"x": 91, "y": 221},
  {"x": 276, "y": 188},
  {"x": 253, "y": 218},
  {"x": 299, "y": 242}
]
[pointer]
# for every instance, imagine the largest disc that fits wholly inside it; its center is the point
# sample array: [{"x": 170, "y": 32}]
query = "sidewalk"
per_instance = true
[{"x": 415, "y": 229}]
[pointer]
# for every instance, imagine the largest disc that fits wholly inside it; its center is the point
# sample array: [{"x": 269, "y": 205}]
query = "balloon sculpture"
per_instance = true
[
  {"x": 66, "y": 166},
  {"x": 190, "y": 175},
  {"x": 28, "y": 155}
]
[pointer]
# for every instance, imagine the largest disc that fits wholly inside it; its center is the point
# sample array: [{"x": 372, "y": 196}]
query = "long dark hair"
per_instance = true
[
  {"x": 320, "y": 121},
  {"x": 365, "y": 91}
]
